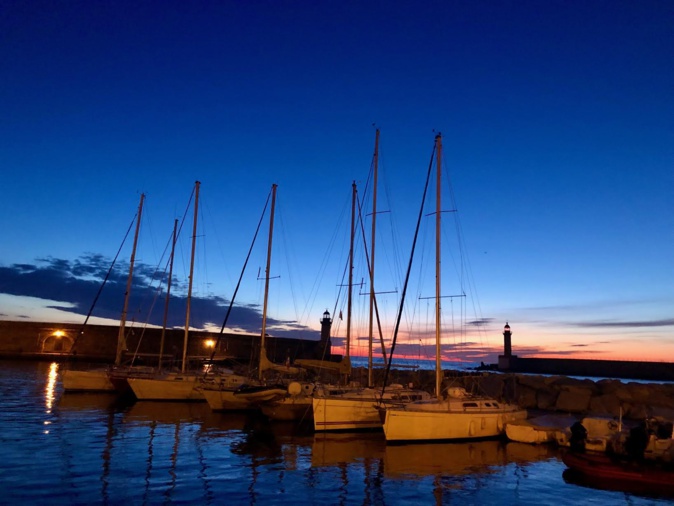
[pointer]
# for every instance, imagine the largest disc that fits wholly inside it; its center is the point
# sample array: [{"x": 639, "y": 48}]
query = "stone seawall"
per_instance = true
[
  {"x": 610, "y": 397},
  {"x": 657, "y": 371},
  {"x": 98, "y": 343}
]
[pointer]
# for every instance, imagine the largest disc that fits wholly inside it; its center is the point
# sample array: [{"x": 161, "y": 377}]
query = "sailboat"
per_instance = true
[
  {"x": 455, "y": 414},
  {"x": 98, "y": 380},
  {"x": 174, "y": 386},
  {"x": 236, "y": 392},
  {"x": 356, "y": 408}
]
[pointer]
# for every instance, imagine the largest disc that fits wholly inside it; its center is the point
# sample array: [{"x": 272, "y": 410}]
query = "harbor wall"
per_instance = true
[
  {"x": 538, "y": 393},
  {"x": 656, "y": 371},
  {"x": 607, "y": 397},
  {"x": 98, "y": 343}
]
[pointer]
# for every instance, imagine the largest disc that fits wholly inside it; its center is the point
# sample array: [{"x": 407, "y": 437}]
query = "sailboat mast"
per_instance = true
[
  {"x": 438, "y": 357},
  {"x": 121, "y": 340},
  {"x": 350, "y": 294},
  {"x": 266, "y": 279},
  {"x": 168, "y": 294},
  {"x": 372, "y": 242},
  {"x": 191, "y": 278}
]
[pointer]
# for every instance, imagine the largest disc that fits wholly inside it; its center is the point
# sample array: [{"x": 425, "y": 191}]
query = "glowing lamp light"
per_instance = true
[
  {"x": 209, "y": 343},
  {"x": 59, "y": 333}
]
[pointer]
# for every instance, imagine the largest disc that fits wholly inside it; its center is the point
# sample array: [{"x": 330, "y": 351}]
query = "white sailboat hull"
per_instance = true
[
  {"x": 436, "y": 422},
  {"x": 539, "y": 430},
  {"x": 359, "y": 409},
  {"x": 345, "y": 414},
  {"x": 172, "y": 387},
  {"x": 523, "y": 431},
  {"x": 87, "y": 381}
]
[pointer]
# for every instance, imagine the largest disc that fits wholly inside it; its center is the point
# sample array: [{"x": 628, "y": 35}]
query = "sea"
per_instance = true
[{"x": 88, "y": 449}]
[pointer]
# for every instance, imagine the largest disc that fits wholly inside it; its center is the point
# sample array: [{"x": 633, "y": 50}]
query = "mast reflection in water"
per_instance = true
[{"x": 94, "y": 449}]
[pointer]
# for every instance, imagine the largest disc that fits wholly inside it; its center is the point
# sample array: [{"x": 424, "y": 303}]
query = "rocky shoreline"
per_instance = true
[{"x": 560, "y": 394}]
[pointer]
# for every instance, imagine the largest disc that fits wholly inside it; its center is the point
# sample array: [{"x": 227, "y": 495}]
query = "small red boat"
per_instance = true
[{"x": 618, "y": 473}]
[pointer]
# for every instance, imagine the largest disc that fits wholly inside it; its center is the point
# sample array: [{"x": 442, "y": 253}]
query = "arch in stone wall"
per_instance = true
[{"x": 56, "y": 342}]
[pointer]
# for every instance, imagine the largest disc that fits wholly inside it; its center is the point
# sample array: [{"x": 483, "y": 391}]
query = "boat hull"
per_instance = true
[
  {"x": 172, "y": 387},
  {"x": 539, "y": 430},
  {"x": 403, "y": 425},
  {"x": 607, "y": 472},
  {"x": 358, "y": 410},
  {"x": 87, "y": 381},
  {"x": 345, "y": 414},
  {"x": 295, "y": 409},
  {"x": 225, "y": 400}
]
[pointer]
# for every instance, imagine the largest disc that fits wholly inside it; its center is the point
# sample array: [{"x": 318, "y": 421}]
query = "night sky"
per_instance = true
[{"x": 557, "y": 127}]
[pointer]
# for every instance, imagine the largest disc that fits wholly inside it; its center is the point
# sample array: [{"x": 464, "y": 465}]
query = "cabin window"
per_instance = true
[{"x": 470, "y": 405}]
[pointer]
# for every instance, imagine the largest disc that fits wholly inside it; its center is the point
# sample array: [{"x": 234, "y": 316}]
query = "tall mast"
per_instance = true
[
  {"x": 438, "y": 358},
  {"x": 266, "y": 280},
  {"x": 191, "y": 278},
  {"x": 168, "y": 293},
  {"x": 374, "y": 222},
  {"x": 349, "y": 295},
  {"x": 121, "y": 340}
]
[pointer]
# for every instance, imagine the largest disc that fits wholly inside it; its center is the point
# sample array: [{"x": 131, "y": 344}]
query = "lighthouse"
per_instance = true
[
  {"x": 325, "y": 345},
  {"x": 507, "y": 341},
  {"x": 507, "y": 360}
]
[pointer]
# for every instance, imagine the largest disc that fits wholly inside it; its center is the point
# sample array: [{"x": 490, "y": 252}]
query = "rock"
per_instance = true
[
  {"x": 607, "y": 404},
  {"x": 574, "y": 399},
  {"x": 526, "y": 397},
  {"x": 546, "y": 399}
]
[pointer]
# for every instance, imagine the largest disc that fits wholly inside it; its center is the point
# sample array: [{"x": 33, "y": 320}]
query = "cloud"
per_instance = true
[
  {"x": 668, "y": 322},
  {"x": 75, "y": 284},
  {"x": 480, "y": 322}
]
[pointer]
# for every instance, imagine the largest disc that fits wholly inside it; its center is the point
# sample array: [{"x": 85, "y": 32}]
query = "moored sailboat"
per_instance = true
[
  {"x": 174, "y": 386},
  {"x": 356, "y": 408},
  {"x": 454, "y": 414},
  {"x": 236, "y": 393},
  {"x": 98, "y": 380}
]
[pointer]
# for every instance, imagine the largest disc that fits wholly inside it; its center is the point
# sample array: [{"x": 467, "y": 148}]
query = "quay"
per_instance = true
[
  {"x": 98, "y": 343},
  {"x": 652, "y": 371}
]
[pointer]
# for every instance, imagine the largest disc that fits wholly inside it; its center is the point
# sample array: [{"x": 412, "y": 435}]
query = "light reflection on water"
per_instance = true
[{"x": 98, "y": 450}]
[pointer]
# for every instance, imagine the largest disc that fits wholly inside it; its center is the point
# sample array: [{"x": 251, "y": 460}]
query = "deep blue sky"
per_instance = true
[{"x": 557, "y": 120}]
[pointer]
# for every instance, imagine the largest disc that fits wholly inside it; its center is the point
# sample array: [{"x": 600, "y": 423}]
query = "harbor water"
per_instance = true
[{"x": 94, "y": 449}]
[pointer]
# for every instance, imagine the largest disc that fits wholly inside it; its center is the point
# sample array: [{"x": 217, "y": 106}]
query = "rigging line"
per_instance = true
[
  {"x": 323, "y": 266},
  {"x": 201, "y": 286},
  {"x": 465, "y": 259},
  {"x": 407, "y": 276},
  {"x": 224, "y": 262},
  {"x": 369, "y": 270},
  {"x": 153, "y": 278},
  {"x": 142, "y": 302},
  {"x": 105, "y": 280},
  {"x": 184, "y": 219},
  {"x": 158, "y": 292},
  {"x": 238, "y": 284},
  {"x": 285, "y": 247}
]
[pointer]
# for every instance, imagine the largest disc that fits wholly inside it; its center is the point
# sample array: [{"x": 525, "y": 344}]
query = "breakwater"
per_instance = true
[
  {"x": 656, "y": 371},
  {"x": 609, "y": 397},
  {"x": 98, "y": 343}
]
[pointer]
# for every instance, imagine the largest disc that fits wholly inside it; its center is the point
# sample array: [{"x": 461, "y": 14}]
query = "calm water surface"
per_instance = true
[{"x": 92, "y": 449}]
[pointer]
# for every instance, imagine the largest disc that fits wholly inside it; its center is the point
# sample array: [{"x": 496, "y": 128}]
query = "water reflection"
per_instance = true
[
  {"x": 50, "y": 389},
  {"x": 99, "y": 402},
  {"x": 101, "y": 450},
  {"x": 456, "y": 459},
  {"x": 331, "y": 449}
]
